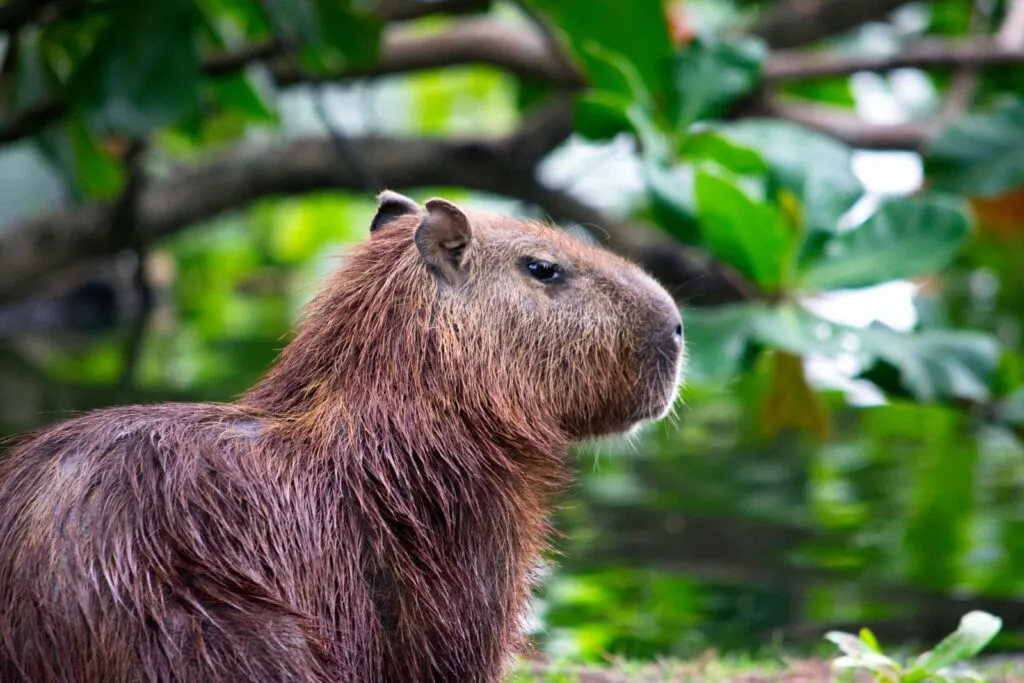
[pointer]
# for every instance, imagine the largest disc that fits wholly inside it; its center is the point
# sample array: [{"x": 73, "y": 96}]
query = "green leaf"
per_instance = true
[
  {"x": 599, "y": 115},
  {"x": 792, "y": 328},
  {"x": 707, "y": 75},
  {"x": 35, "y": 78},
  {"x": 669, "y": 185},
  {"x": 297, "y": 20},
  {"x": 937, "y": 364},
  {"x": 91, "y": 171},
  {"x": 713, "y": 146},
  {"x": 717, "y": 339},
  {"x": 627, "y": 79},
  {"x": 143, "y": 73},
  {"x": 851, "y": 645},
  {"x": 858, "y": 654},
  {"x": 905, "y": 238},
  {"x": 834, "y": 91},
  {"x": 884, "y": 668},
  {"x": 242, "y": 18},
  {"x": 637, "y": 28},
  {"x": 750, "y": 236},
  {"x": 672, "y": 201},
  {"x": 815, "y": 167},
  {"x": 1011, "y": 408},
  {"x": 68, "y": 144},
  {"x": 979, "y": 154},
  {"x": 976, "y": 630},
  {"x": 868, "y": 638},
  {"x": 98, "y": 175},
  {"x": 237, "y": 92},
  {"x": 355, "y": 34}
]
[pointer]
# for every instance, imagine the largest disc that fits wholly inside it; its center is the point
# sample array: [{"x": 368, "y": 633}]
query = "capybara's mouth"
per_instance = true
[{"x": 668, "y": 379}]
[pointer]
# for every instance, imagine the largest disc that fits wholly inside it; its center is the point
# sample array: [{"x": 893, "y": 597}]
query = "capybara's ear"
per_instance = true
[
  {"x": 392, "y": 205},
  {"x": 442, "y": 238}
]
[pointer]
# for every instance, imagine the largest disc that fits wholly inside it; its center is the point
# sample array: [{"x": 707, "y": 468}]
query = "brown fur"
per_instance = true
[{"x": 372, "y": 509}]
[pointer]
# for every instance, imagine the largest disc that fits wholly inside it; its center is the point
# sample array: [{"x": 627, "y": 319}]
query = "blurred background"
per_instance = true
[{"x": 831, "y": 188}]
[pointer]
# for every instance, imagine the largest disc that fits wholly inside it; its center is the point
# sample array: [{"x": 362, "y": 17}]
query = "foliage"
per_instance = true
[
  {"x": 975, "y": 631},
  {"x": 776, "y": 501}
]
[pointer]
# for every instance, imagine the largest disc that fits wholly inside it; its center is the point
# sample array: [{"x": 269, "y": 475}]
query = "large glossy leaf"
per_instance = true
[
  {"x": 815, "y": 167},
  {"x": 748, "y": 235},
  {"x": 793, "y": 328},
  {"x": 716, "y": 340},
  {"x": 708, "y": 75},
  {"x": 937, "y": 364},
  {"x": 905, "y": 238},
  {"x": 637, "y": 28},
  {"x": 669, "y": 185},
  {"x": 144, "y": 72},
  {"x": 980, "y": 154}
]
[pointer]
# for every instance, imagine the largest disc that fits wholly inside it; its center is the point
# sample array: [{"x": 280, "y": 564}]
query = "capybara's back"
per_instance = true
[
  {"x": 154, "y": 544},
  {"x": 373, "y": 509}
]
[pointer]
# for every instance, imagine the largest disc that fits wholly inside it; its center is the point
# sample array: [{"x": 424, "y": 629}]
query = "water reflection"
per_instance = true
[{"x": 699, "y": 537}]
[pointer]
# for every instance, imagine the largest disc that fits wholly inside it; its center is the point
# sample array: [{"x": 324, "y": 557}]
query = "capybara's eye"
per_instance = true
[{"x": 543, "y": 271}]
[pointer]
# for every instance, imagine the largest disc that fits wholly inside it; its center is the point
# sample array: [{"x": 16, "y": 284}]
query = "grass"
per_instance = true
[
  {"x": 860, "y": 659},
  {"x": 713, "y": 670}
]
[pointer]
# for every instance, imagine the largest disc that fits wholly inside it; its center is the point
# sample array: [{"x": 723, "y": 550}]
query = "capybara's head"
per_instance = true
[{"x": 537, "y": 319}]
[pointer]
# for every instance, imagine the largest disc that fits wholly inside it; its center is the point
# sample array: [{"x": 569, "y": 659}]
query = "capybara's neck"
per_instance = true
[
  {"x": 375, "y": 373},
  {"x": 378, "y": 351},
  {"x": 452, "y": 479}
]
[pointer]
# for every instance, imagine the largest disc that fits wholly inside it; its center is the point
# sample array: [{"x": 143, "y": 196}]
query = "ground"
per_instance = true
[{"x": 712, "y": 670}]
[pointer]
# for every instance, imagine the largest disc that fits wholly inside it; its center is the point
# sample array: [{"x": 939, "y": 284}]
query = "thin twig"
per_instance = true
[
  {"x": 124, "y": 229},
  {"x": 1009, "y": 37},
  {"x": 965, "y": 79},
  {"x": 555, "y": 48},
  {"x": 345, "y": 151}
]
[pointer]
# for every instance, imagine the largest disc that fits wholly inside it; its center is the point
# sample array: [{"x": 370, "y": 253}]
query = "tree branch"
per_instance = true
[
  {"x": 31, "y": 120},
  {"x": 471, "y": 41},
  {"x": 793, "y": 23},
  {"x": 847, "y": 126},
  {"x": 503, "y": 166},
  {"x": 404, "y": 10},
  {"x": 521, "y": 52},
  {"x": 527, "y": 54},
  {"x": 42, "y": 245},
  {"x": 790, "y": 65},
  {"x": 1006, "y": 49}
]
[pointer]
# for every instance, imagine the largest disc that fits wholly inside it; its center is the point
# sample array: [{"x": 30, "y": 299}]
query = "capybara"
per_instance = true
[{"x": 375, "y": 507}]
